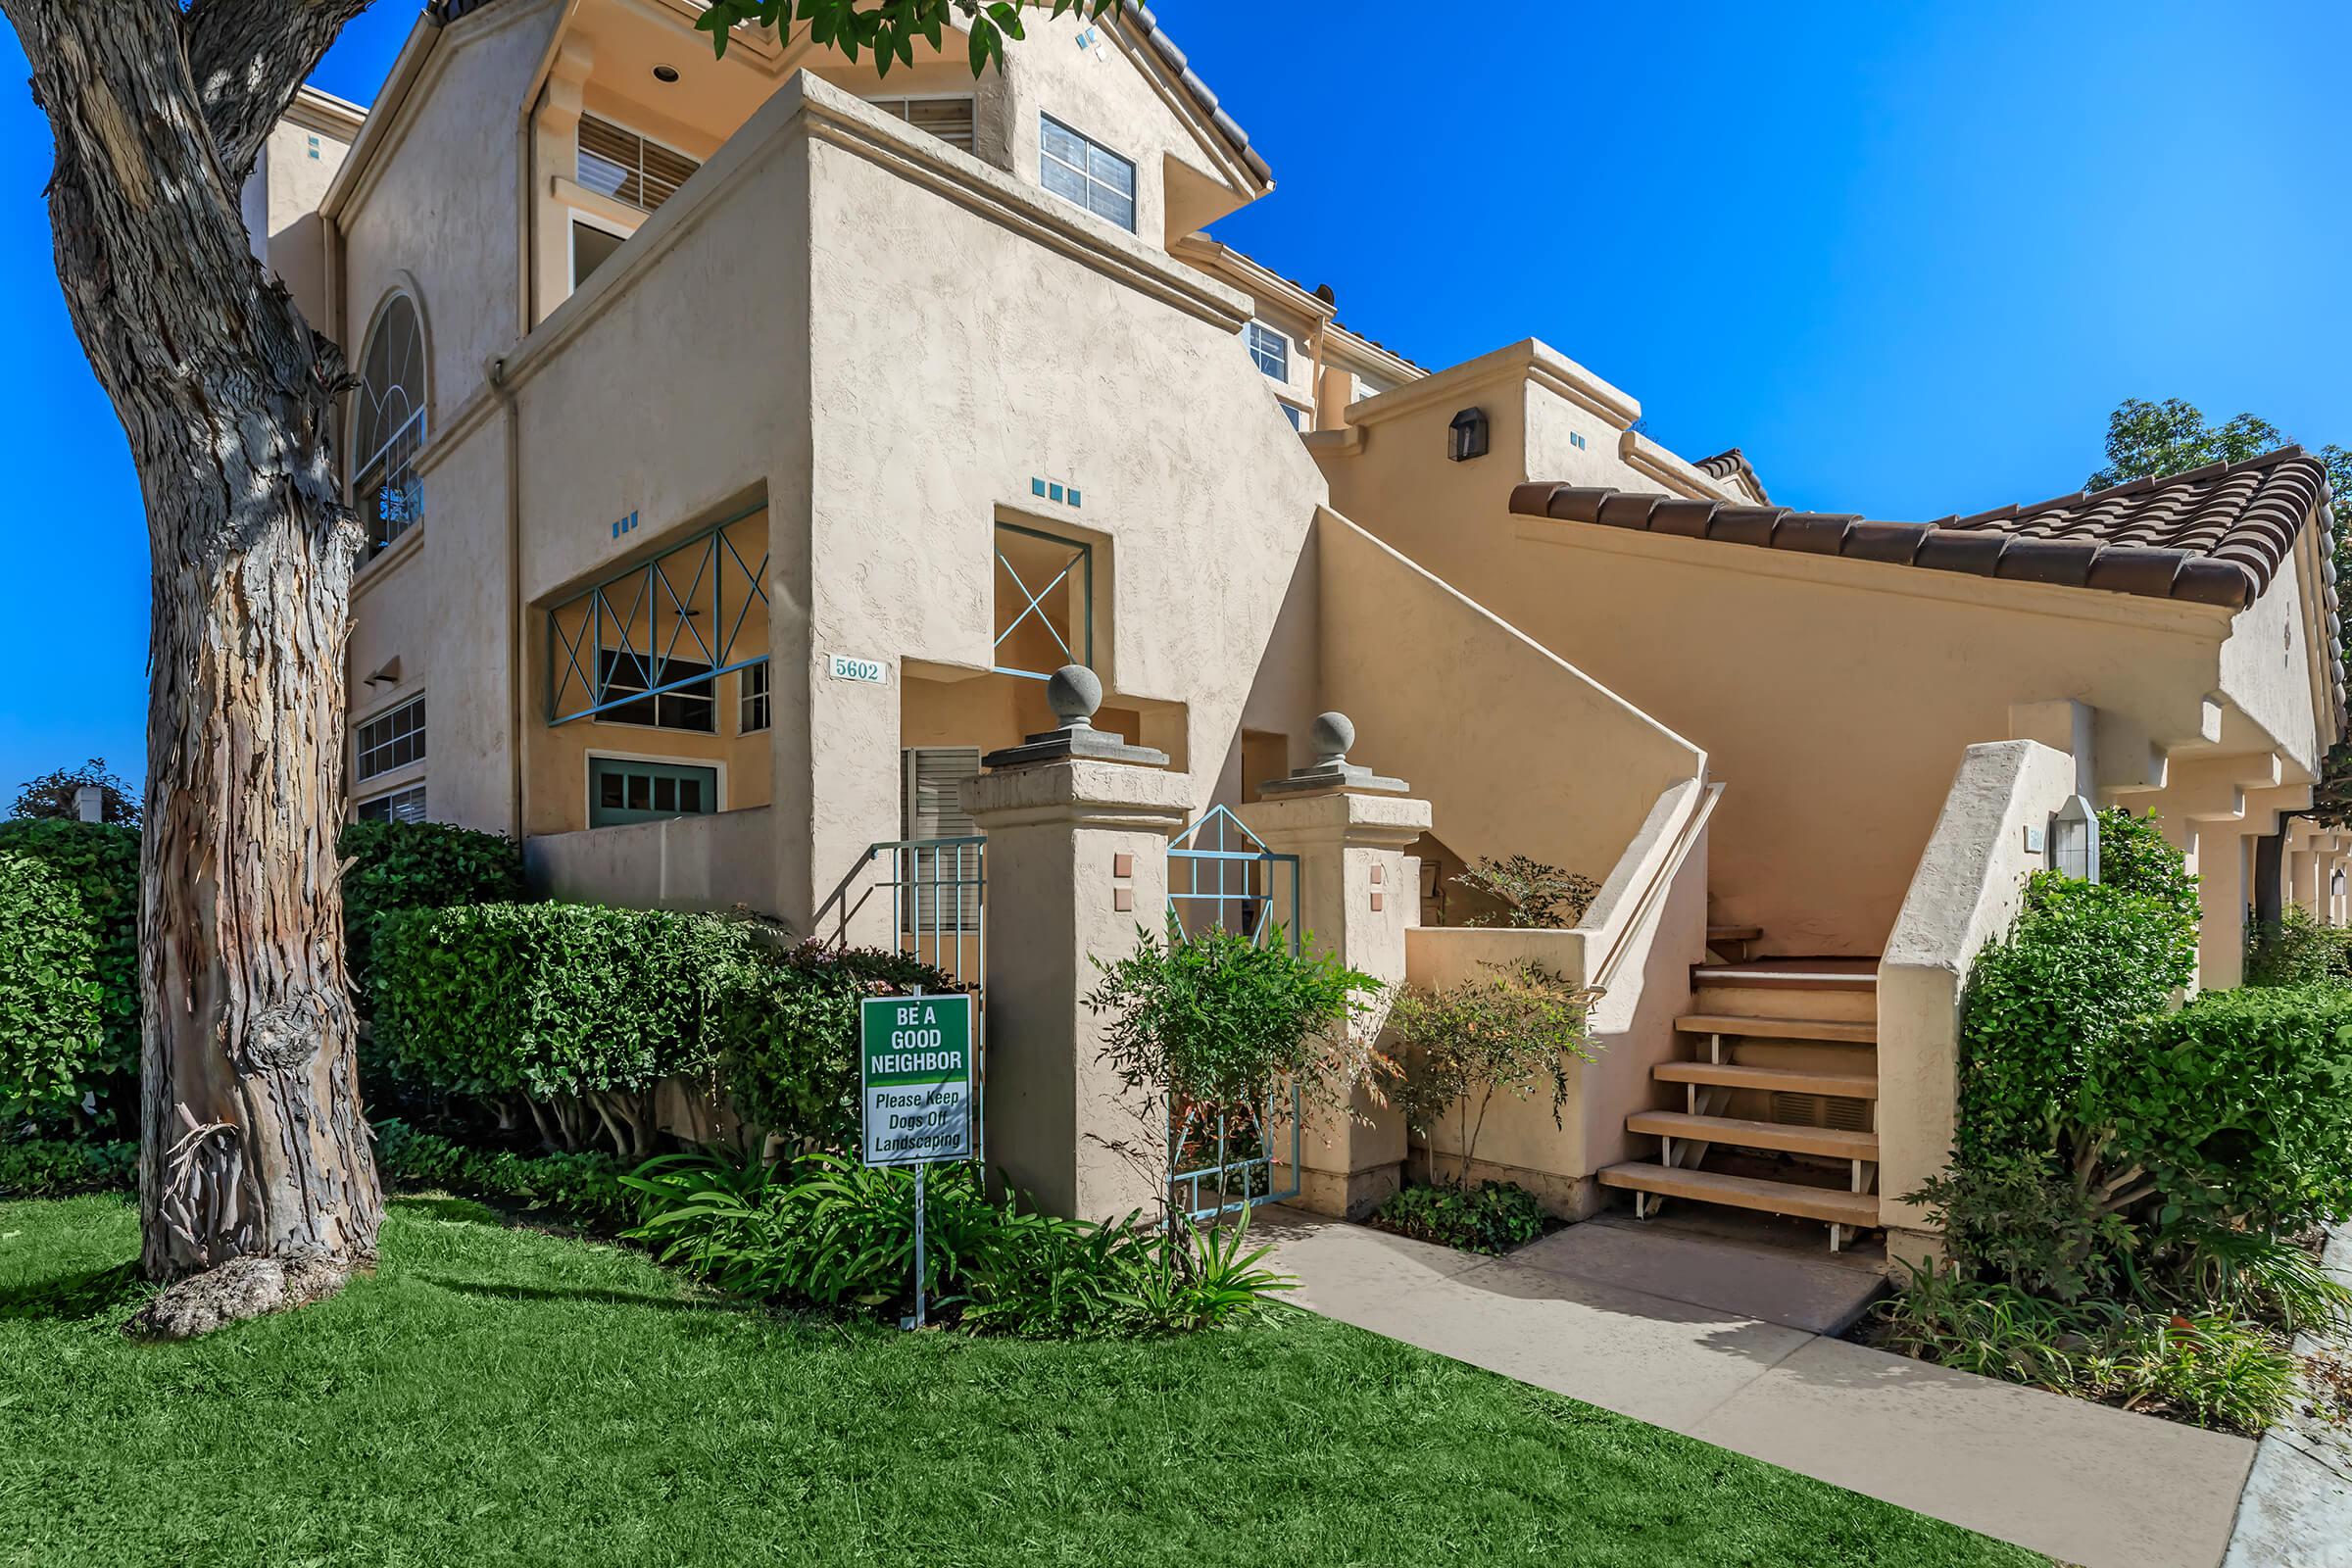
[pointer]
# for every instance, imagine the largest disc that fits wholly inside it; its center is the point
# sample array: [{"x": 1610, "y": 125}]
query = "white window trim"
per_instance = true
[
  {"x": 409, "y": 772},
  {"x": 403, "y": 788},
  {"x": 595, "y": 753},
  {"x": 1135, "y": 170},
  {"x": 1250, "y": 333},
  {"x": 572, "y": 241}
]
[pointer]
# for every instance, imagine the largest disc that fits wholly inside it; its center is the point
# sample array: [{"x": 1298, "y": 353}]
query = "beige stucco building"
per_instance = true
[{"x": 742, "y": 441}]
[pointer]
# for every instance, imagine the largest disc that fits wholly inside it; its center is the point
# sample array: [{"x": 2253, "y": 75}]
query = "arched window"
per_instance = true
[{"x": 388, "y": 426}]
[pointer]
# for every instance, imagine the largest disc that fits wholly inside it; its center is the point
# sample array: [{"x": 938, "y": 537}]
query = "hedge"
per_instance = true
[
  {"x": 578, "y": 1011},
  {"x": 2238, "y": 1106},
  {"x": 388, "y": 866},
  {"x": 68, "y": 972},
  {"x": 2084, "y": 964}
]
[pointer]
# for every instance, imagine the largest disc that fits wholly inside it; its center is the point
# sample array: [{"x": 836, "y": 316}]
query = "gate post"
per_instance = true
[
  {"x": 1356, "y": 895},
  {"x": 1078, "y": 825}
]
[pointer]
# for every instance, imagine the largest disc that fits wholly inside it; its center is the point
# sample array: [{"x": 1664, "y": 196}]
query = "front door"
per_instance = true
[{"x": 621, "y": 791}]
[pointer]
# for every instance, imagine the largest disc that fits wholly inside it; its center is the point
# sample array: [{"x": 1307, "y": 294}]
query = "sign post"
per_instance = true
[{"x": 921, "y": 1089}]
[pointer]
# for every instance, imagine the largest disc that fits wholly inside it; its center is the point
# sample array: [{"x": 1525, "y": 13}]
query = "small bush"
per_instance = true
[
  {"x": 2084, "y": 962},
  {"x": 58, "y": 1167},
  {"x": 389, "y": 867},
  {"x": 827, "y": 1231},
  {"x": 2210, "y": 1371},
  {"x": 2134, "y": 857},
  {"x": 1512, "y": 1030},
  {"x": 588, "y": 1185},
  {"x": 1215, "y": 1018},
  {"x": 2297, "y": 949},
  {"x": 1496, "y": 1217},
  {"x": 92, "y": 908},
  {"x": 2238, "y": 1106},
  {"x": 2020, "y": 1218},
  {"x": 1533, "y": 893}
]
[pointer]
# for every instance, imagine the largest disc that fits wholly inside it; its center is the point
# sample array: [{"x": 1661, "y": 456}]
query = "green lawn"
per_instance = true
[{"x": 498, "y": 1396}]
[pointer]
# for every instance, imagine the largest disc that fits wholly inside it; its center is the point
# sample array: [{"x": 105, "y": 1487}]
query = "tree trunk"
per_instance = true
[{"x": 253, "y": 1143}]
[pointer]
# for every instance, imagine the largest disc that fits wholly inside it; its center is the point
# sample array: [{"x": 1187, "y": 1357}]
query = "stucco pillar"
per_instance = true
[
  {"x": 1077, "y": 869},
  {"x": 1357, "y": 892}
]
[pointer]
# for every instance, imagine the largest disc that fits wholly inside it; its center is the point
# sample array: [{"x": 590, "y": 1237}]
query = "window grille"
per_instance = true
[
  {"x": 617, "y": 161},
  {"x": 931, "y": 809},
  {"x": 947, "y": 119},
  {"x": 1271, "y": 350},
  {"x": 1081, "y": 169},
  {"x": 754, "y": 697},
  {"x": 394, "y": 740},
  {"x": 669, "y": 626},
  {"x": 388, "y": 427},
  {"x": 401, "y": 806}
]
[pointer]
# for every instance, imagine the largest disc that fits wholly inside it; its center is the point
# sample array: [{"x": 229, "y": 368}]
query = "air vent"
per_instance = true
[
  {"x": 1847, "y": 1116},
  {"x": 1795, "y": 1111}
]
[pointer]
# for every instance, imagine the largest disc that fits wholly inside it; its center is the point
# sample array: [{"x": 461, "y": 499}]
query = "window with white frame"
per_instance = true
[
  {"x": 592, "y": 245},
  {"x": 387, "y": 425},
  {"x": 392, "y": 740},
  {"x": 401, "y": 806},
  {"x": 950, "y": 118},
  {"x": 618, "y": 162},
  {"x": 754, "y": 697},
  {"x": 1271, "y": 350},
  {"x": 1074, "y": 165},
  {"x": 1296, "y": 415}
]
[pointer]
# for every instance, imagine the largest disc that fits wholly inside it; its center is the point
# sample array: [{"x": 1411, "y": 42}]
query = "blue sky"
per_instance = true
[{"x": 1907, "y": 256}]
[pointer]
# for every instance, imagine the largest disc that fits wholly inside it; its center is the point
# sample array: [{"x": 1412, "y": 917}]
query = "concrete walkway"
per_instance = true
[{"x": 1592, "y": 1313}]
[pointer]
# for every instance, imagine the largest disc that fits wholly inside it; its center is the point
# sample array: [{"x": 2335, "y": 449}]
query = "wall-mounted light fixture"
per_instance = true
[
  {"x": 2075, "y": 840},
  {"x": 2336, "y": 883},
  {"x": 1467, "y": 435}
]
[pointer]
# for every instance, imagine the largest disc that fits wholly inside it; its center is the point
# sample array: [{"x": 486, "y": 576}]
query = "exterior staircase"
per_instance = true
[{"x": 1779, "y": 1096}]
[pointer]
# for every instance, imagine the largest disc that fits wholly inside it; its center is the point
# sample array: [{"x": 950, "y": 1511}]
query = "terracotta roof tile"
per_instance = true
[
  {"x": 2215, "y": 535},
  {"x": 1731, "y": 465}
]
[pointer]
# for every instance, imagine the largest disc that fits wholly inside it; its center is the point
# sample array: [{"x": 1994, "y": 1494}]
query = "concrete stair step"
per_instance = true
[
  {"x": 1743, "y": 1133},
  {"x": 1735, "y": 933},
  {"x": 1840, "y": 1031},
  {"x": 1789, "y": 1080},
  {"x": 1746, "y": 1191}
]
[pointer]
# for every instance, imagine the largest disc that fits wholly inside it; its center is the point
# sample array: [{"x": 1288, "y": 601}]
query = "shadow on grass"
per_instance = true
[
  {"x": 587, "y": 1293},
  {"x": 78, "y": 1297}
]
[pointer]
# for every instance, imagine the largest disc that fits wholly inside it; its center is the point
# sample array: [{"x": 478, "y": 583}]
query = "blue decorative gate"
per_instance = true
[{"x": 1222, "y": 1159}]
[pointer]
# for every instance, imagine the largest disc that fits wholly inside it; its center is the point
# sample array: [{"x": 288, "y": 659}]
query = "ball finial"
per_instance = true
[
  {"x": 1074, "y": 692},
  {"x": 1331, "y": 735}
]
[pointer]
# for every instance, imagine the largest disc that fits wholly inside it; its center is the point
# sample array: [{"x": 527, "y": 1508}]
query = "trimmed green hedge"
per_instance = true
[
  {"x": 2238, "y": 1106},
  {"x": 578, "y": 1011},
  {"x": 59, "y": 1167},
  {"x": 68, "y": 972},
  {"x": 587, "y": 1185},
  {"x": 389, "y": 867},
  {"x": 2084, "y": 964}
]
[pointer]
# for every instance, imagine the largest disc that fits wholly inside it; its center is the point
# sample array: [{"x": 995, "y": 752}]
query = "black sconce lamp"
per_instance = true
[{"x": 1467, "y": 435}]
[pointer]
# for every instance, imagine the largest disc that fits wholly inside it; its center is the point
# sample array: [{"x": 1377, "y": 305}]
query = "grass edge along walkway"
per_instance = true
[{"x": 499, "y": 1396}]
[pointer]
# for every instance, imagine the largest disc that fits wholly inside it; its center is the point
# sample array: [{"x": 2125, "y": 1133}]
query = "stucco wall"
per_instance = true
[
  {"x": 688, "y": 863},
  {"x": 282, "y": 210}
]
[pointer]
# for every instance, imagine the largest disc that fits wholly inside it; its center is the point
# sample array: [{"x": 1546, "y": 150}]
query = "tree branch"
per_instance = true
[{"x": 246, "y": 58}]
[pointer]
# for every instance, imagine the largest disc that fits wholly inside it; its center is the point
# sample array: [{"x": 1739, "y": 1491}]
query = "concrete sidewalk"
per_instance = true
[{"x": 2085, "y": 1483}]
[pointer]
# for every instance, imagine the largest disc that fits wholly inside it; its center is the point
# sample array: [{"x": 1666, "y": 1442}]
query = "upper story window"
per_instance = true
[
  {"x": 393, "y": 740},
  {"x": 1271, "y": 350},
  {"x": 592, "y": 245},
  {"x": 388, "y": 426},
  {"x": 1072, "y": 166},
  {"x": 753, "y": 714},
  {"x": 617, "y": 161},
  {"x": 949, "y": 119}
]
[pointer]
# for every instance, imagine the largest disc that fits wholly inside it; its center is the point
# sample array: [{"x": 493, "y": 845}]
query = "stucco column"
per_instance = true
[
  {"x": 1077, "y": 869},
  {"x": 2222, "y": 892},
  {"x": 1355, "y": 898}
]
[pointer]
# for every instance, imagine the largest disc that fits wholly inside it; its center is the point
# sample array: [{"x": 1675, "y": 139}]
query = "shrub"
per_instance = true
[
  {"x": 2135, "y": 856},
  {"x": 1217, "y": 1019},
  {"x": 787, "y": 1023},
  {"x": 50, "y": 1030},
  {"x": 2212, "y": 1371},
  {"x": 388, "y": 866},
  {"x": 91, "y": 910},
  {"x": 587, "y": 1183},
  {"x": 1513, "y": 1030},
  {"x": 575, "y": 1009},
  {"x": 2297, "y": 949},
  {"x": 1532, "y": 893},
  {"x": 51, "y": 795},
  {"x": 58, "y": 1167},
  {"x": 1496, "y": 1217},
  {"x": 2238, "y": 1107},
  {"x": 2020, "y": 1218},
  {"x": 825, "y": 1230},
  {"x": 2084, "y": 962}
]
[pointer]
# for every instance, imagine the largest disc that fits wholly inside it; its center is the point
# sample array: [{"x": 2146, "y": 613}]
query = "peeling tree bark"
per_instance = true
[{"x": 252, "y": 1139}]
